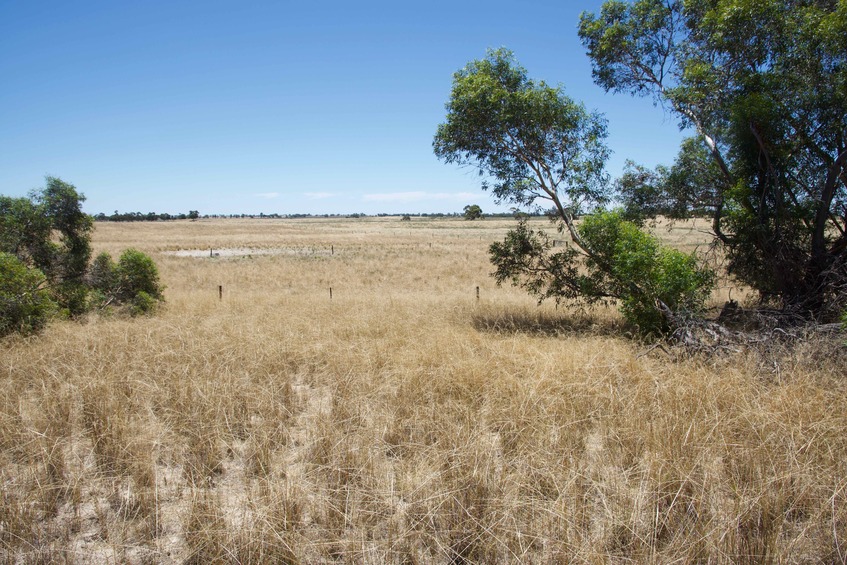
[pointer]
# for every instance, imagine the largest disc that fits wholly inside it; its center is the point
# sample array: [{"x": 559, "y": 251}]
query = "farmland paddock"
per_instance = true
[{"x": 420, "y": 415}]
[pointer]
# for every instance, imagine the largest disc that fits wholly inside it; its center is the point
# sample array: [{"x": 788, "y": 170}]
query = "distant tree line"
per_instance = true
[
  {"x": 195, "y": 215},
  {"x": 148, "y": 217}
]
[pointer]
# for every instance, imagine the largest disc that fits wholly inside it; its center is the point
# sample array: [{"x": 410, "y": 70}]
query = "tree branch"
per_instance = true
[{"x": 835, "y": 171}]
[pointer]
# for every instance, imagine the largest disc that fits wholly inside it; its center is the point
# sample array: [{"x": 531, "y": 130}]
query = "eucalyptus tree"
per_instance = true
[
  {"x": 472, "y": 212},
  {"x": 535, "y": 147},
  {"x": 50, "y": 232},
  {"x": 764, "y": 85},
  {"x": 529, "y": 141}
]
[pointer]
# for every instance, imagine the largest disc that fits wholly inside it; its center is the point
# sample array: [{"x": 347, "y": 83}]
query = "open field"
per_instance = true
[{"x": 402, "y": 420}]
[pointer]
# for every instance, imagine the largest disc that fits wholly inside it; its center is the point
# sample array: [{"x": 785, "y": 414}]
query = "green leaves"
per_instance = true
[
  {"x": 620, "y": 263},
  {"x": 631, "y": 45},
  {"x": 535, "y": 143},
  {"x": 637, "y": 270},
  {"x": 134, "y": 280},
  {"x": 63, "y": 205},
  {"x": 25, "y": 304},
  {"x": 764, "y": 82},
  {"x": 25, "y": 231},
  {"x": 50, "y": 232},
  {"x": 472, "y": 212},
  {"x": 44, "y": 262},
  {"x": 136, "y": 273},
  {"x": 528, "y": 139}
]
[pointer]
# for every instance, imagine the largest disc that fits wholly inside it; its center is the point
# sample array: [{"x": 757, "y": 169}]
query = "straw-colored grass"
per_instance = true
[{"x": 402, "y": 420}]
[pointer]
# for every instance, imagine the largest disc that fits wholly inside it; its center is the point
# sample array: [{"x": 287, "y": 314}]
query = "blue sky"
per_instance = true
[{"x": 286, "y": 107}]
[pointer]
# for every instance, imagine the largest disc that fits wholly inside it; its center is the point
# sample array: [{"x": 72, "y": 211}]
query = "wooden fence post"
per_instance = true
[{"x": 220, "y": 292}]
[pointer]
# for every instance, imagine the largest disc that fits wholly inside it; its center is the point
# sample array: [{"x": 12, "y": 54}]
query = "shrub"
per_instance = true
[
  {"x": 50, "y": 232},
  {"x": 45, "y": 240},
  {"x": 611, "y": 260},
  {"x": 137, "y": 273},
  {"x": 142, "y": 303},
  {"x": 72, "y": 297},
  {"x": 103, "y": 275},
  {"x": 634, "y": 267},
  {"x": 25, "y": 304}
]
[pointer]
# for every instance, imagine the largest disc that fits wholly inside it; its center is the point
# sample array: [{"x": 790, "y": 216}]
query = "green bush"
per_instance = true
[
  {"x": 137, "y": 273},
  {"x": 45, "y": 240},
  {"x": 103, "y": 275},
  {"x": 72, "y": 297},
  {"x": 632, "y": 266},
  {"x": 133, "y": 281},
  {"x": 25, "y": 304},
  {"x": 142, "y": 303},
  {"x": 609, "y": 260}
]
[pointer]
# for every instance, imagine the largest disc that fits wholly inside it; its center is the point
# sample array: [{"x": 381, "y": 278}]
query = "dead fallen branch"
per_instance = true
[{"x": 697, "y": 336}]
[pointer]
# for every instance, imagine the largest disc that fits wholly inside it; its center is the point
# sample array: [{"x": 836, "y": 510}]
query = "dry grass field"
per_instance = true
[{"x": 402, "y": 420}]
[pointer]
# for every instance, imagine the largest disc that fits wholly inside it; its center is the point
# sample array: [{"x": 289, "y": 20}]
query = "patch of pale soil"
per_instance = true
[{"x": 248, "y": 252}]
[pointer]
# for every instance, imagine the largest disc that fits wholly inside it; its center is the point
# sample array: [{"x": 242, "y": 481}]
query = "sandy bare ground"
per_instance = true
[{"x": 247, "y": 252}]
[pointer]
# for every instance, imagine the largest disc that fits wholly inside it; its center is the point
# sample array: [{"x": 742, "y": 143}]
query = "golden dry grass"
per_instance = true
[{"x": 402, "y": 421}]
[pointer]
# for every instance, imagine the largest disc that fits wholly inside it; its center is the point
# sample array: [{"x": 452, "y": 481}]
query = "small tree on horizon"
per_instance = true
[{"x": 472, "y": 212}]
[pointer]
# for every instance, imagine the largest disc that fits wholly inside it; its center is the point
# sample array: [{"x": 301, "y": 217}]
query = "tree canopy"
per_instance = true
[
  {"x": 472, "y": 212},
  {"x": 30, "y": 230},
  {"x": 528, "y": 139},
  {"x": 764, "y": 84},
  {"x": 536, "y": 147},
  {"x": 25, "y": 303},
  {"x": 45, "y": 250}
]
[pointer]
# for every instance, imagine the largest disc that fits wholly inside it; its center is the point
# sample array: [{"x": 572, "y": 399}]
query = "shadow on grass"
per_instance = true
[{"x": 547, "y": 323}]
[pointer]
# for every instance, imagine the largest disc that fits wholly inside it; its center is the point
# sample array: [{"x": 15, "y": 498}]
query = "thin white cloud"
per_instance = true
[
  {"x": 267, "y": 195},
  {"x": 418, "y": 196},
  {"x": 318, "y": 195}
]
